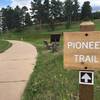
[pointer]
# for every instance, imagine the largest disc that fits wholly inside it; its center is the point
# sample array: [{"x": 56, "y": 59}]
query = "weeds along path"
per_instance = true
[{"x": 16, "y": 65}]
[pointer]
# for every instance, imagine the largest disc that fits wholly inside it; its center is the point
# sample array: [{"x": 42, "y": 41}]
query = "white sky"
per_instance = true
[
  {"x": 92, "y": 2},
  {"x": 21, "y": 3}
]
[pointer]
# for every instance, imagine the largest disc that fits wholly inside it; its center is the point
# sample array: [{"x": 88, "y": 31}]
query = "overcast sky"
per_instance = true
[
  {"x": 13, "y": 3},
  {"x": 93, "y": 2}
]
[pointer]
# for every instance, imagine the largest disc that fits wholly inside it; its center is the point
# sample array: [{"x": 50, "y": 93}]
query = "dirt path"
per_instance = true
[{"x": 16, "y": 65}]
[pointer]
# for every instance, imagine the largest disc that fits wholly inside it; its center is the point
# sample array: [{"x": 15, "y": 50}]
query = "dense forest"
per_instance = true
[{"x": 47, "y": 13}]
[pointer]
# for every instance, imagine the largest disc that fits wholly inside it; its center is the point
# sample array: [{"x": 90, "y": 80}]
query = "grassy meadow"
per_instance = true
[
  {"x": 4, "y": 45},
  {"x": 49, "y": 80}
]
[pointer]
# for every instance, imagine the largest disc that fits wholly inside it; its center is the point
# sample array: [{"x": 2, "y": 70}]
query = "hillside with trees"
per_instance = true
[{"x": 46, "y": 13}]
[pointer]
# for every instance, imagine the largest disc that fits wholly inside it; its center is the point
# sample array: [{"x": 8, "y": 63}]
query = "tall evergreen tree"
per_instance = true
[
  {"x": 12, "y": 18},
  {"x": 18, "y": 18},
  {"x": 68, "y": 11},
  {"x": 75, "y": 10},
  {"x": 37, "y": 11},
  {"x": 86, "y": 11},
  {"x": 9, "y": 17},
  {"x": 24, "y": 9},
  {"x": 24, "y": 12},
  {"x": 28, "y": 21},
  {"x": 46, "y": 10},
  {"x": 56, "y": 11},
  {"x": 4, "y": 21}
]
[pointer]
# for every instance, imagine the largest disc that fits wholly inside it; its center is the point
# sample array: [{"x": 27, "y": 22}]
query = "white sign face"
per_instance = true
[{"x": 86, "y": 77}]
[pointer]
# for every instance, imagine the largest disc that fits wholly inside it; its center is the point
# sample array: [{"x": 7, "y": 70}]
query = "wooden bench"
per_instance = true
[
  {"x": 47, "y": 45},
  {"x": 54, "y": 42}
]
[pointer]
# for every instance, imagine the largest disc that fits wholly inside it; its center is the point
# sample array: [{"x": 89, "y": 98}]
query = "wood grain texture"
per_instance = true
[
  {"x": 69, "y": 60},
  {"x": 87, "y": 26},
  {"x": 86, "y": 92}
]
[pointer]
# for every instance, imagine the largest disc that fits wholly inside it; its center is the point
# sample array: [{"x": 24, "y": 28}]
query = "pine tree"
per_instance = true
[
  {"x": 4, "y": 21},
  {"x": 86, "y": 11},
  {"x": 18, "y": 18},
  {"x": 68, "y": 11},
  {"x": 24, "y": 12},
  {"x": 28, "y": 21},
  {"x": 46, "y": 12},
  {"x": 56, "y": 12},
  {"x": 12, "y": 18},
  {"x": 75, "y": 10},
  {"x": 24, "y": 9},
  {"x": 37, "y": 11},
  {"x": 9, "y": 17}
]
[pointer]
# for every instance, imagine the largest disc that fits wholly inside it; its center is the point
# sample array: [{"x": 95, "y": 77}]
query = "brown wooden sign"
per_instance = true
[{"x": 82, "y": 50}]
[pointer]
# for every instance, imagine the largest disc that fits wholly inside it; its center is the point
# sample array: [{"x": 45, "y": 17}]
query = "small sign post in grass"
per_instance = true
[{"x": 82, "y": 52}]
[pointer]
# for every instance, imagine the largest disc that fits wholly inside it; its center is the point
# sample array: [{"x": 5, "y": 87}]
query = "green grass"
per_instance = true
[
  {"x": 97, "y": 24},
  {"x": 4, "y": 45},
  {"x": 49, "y": 80},
  {"x": 58, "y": 28}
]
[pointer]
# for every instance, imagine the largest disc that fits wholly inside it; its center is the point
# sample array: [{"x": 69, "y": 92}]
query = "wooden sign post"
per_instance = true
[
  {"x": 87, "y": 26},
  {"x": 82, "y": 52},
  {"x": 86, "y": 81},
  {"x": 86, "y": 91}
]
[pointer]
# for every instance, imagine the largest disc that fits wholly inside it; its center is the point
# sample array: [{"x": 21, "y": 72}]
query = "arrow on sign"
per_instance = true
[{"x": 86, "y": 77}]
